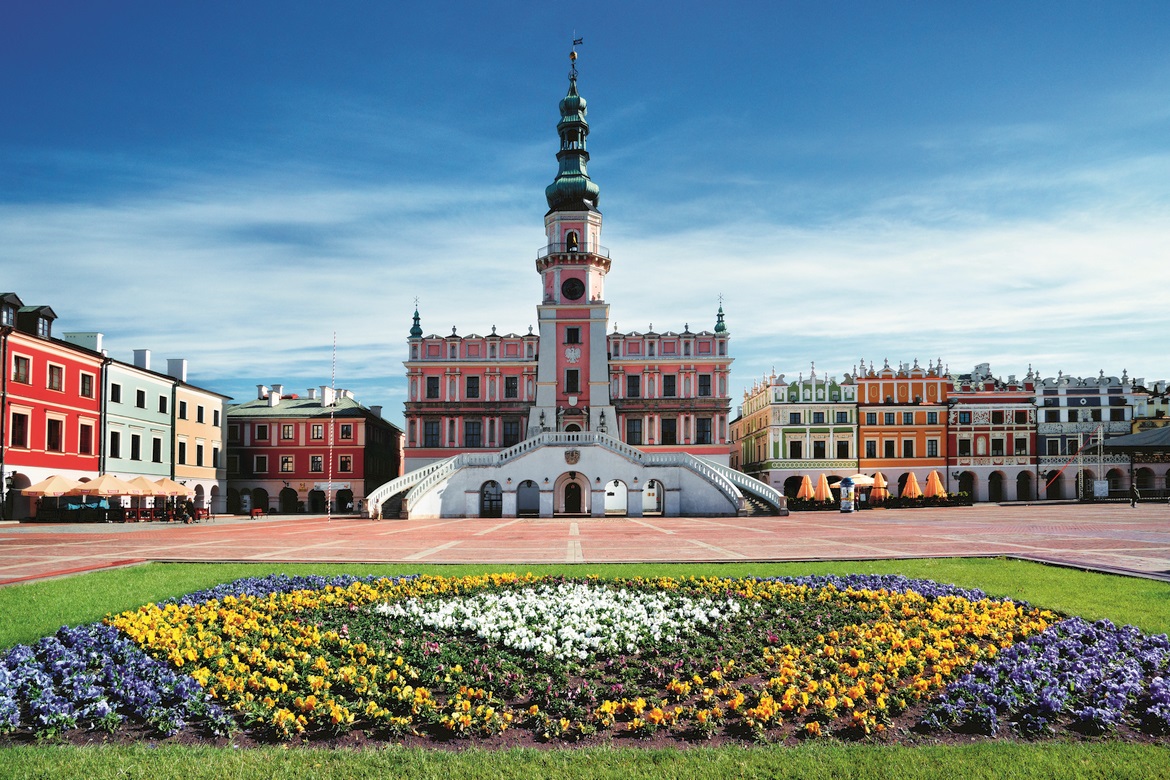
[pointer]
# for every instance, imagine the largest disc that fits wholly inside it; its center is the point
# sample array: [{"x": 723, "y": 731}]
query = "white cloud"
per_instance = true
[{"x": 250, "y": 277}]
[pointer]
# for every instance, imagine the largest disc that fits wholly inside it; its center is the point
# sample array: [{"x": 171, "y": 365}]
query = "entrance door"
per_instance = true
[
  {"x": 491, "y": 500},
  {"x": 572, "y": 499}
]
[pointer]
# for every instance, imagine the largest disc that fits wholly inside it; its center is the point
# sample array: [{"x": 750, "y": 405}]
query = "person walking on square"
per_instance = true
[{"x": 1134, "y": 495}]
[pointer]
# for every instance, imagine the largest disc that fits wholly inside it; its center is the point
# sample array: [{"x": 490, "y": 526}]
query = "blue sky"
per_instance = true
[{"x": 235, "y": 182}]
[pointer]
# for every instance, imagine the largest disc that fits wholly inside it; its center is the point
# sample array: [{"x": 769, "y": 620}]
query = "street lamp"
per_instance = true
[{"x": 6, "y": 487}]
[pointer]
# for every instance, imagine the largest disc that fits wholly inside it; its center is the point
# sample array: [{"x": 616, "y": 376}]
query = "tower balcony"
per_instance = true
[{"x": 572, "y": 249}]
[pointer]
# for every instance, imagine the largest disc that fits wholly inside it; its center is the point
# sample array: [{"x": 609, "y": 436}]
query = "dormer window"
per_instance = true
[
  {"x": 44, "y": 327},
  {"x": 7, "y": 315}
]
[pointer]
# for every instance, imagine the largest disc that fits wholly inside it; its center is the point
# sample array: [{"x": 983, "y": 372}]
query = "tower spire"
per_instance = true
[
  {"x": 416, "y": 329},
  {"x": 572, "y": 189}
]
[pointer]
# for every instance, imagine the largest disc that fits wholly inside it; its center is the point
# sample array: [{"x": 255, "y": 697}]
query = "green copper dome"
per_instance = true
[
  {"x": 720, "y": 325},
  {"x": 572, "y": 189},
  {"x": 416, "y": 329}
]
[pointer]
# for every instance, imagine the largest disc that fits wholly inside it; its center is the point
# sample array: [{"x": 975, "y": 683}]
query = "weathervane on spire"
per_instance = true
[{"x": 573, "y": 56}]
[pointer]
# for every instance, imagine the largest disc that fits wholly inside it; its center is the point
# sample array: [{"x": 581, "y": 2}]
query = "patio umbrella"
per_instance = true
[
  {"x": 934, "y": 486},
  {"x": 879, "y": 491},
  {"x": 806, "y": 488},
  {"x": 861, "y": 481},
  {"x": 822, "y": 492},
  {"x": 911, "y": 489},
  {"x": 105, "y": 485},
  {"x": 147, "y": 487},
  {"x": 53, "y": 486},
  {"x": 174, "y": 488}
]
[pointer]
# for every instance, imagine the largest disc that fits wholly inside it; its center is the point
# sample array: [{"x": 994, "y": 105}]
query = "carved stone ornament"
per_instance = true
[
  {"x": 572, "y": 354},
  {"x": 573, "y": 456}
]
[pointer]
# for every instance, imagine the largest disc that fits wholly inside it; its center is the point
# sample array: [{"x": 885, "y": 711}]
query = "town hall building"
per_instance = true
[{"x": 573, "y": 419}]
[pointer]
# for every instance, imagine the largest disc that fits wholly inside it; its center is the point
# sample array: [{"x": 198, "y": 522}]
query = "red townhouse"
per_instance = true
[{"x": 50, "y": 404}]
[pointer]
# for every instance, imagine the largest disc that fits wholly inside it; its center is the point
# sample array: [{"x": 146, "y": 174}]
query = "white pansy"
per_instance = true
[{"x": 567, "y": 620}]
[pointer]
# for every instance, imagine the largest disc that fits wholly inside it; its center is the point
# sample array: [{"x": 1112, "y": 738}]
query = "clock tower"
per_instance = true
[{"x": 572, "y": 392}]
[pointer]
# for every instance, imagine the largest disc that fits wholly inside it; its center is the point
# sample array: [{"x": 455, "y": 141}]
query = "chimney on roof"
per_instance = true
[
  {"x": 278, "y": 390},
  {"x": 177, "y": 367},
  {"x": 142, "y": 358},
  {"x": 312, "y": 394},
  {"x": 376, "y": 411},
  {"x": 91, "y": 341},
  {"x": 327, "y": 396},
  {"x": 273, "y": 398},
  {"x": 261, "y": 392}
]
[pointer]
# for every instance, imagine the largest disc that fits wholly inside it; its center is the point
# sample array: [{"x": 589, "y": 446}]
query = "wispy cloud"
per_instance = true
[{"x": 249, "y": 276}]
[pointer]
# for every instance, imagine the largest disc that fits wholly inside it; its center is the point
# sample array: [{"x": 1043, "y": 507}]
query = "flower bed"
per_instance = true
[{"x": 436, "y": 658}]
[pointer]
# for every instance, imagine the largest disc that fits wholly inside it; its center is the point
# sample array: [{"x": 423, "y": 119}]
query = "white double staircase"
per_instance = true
[{"x": 731, "y": 483}]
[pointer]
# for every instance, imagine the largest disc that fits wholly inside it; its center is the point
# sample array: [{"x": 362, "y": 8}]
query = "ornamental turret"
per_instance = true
[{"x": 572, "y": 189}]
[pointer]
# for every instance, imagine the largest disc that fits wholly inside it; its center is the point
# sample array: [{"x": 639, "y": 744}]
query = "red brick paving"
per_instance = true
[{"x": 1108, "y": 537}]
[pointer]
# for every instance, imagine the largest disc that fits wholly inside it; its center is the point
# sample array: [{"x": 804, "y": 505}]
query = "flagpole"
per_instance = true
[{"x": 329, "y": 493}]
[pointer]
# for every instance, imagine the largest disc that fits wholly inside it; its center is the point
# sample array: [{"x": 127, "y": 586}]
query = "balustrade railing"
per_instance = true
[
  {"x": 565, "y": 249},
  {"x": 728, "y": 481}
]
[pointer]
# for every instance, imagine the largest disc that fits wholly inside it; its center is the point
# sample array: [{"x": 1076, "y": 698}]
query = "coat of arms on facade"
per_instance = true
[{"x": 572, "y": 456}]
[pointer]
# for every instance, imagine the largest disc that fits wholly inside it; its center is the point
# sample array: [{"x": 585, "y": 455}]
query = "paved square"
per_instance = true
[{"x": 1110, "y": 537}]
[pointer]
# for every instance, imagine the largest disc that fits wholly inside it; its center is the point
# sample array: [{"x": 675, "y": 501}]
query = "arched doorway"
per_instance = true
[
  {"x": 572, "y": 499},
  {"x": 316, "y": 501},
  {"x": 1144, "y": 479},
  {"x": 215, "y": 503},
  {"x": 528, "y": 499},
  {"x": 995, "y": 487},
  {"x": 491, "y": 500},
  {"x": 1024, "y": 490},
  {"x": 345, "y": 500},
  {"x": 902, "y": 483},
  {"x": 967, "y": 484},
  {"x": 792, "y": 486},
  {"x": 1054, "y": 486},
  {"x": 652, "y": 498},
  {"x": 288, "y": 501},
  {"x": 199, "y": 496},
  {"x": 260, "y": 499},
  {"x": 1116, "y": 478},
  {"x": 247, "y": 501},
  {"x": 572, "y": 428},
  {"x": 616, "y": 496},
  {"x": 233, "y": 502}
]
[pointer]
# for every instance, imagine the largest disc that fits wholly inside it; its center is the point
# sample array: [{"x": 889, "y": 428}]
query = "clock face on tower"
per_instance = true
[{"x": 573, "y": 289}]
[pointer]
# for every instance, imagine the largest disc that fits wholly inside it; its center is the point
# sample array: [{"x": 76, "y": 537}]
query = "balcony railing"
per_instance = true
[{"x": 567, "y": 249}]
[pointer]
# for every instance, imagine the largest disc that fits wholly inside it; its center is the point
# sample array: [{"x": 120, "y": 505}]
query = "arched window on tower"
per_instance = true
[{"x": 571, "y": 241}]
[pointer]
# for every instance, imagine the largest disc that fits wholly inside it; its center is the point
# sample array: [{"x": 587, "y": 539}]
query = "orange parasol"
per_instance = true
[
  {"x": 934, "y": 486},
  {"x": 911, "y": 489},
  {"x": 105, "y": 485},
  {"x": 806, "y": 488},
  {"x": 173, "y": 488},
  {"x": 822, "y": 493},
  {"x": 147, "y": 487},
  {"x": 53, "y": 486},
  {"x": 879, "y": 491}
]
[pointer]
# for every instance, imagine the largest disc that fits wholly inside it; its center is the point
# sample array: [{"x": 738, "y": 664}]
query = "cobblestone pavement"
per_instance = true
[{"x": 1110, "y": 537}]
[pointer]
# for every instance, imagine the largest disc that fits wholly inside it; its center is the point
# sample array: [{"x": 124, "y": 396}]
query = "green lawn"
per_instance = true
[{"x": 30, "y": 611}]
